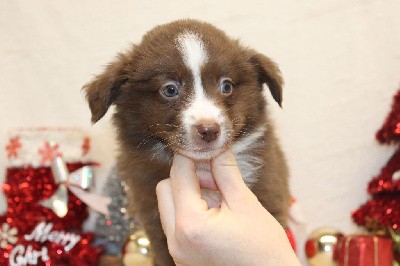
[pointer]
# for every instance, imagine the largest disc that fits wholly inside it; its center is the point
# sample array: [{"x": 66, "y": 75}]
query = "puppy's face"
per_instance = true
[{"x": 186, "y": 88}]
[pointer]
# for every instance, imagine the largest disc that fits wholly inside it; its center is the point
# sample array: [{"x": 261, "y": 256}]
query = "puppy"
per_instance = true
[{"x": 188, "y": 88}]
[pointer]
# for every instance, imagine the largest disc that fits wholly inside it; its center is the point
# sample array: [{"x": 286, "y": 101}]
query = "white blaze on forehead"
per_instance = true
[{"x": 194, "y": 56}]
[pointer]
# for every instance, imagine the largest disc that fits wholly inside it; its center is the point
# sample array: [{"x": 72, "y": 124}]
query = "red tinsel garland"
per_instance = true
[
  {"x": 25, "y": 187},
  {"x": 390, "y": 130},
  {"x": 385, "y": 182},
  {"x": 384, "y": 209},
  {"x": 380, "y": 212}
]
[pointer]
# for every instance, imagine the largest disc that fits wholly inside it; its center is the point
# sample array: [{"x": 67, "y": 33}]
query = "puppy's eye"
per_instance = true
[
  {"x": 170, "y": 90},
  {"x": 226, "y": 86}
]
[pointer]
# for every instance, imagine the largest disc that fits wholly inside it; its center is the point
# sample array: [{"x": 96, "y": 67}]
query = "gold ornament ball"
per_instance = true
[
  {"x": 320, "y": 246},
  {"x": 137, "y": 250}
]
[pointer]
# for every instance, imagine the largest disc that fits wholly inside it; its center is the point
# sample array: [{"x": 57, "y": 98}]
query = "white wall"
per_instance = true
[{"x": 340, "y": 60}]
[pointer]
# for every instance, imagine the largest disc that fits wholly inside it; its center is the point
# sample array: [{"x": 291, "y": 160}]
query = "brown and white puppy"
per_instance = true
[{"x": 188, "y": 88}]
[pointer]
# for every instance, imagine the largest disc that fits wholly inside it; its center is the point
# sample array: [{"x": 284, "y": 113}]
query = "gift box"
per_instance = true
[{"x": 364, "y": 250}]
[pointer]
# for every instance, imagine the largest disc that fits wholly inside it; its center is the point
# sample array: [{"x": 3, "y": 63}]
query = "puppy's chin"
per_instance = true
[{"x": 202, "y": 155}]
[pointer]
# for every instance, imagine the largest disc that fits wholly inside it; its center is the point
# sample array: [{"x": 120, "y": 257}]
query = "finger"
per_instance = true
[
  {"x": 166, "y": 206},
  {"x": 206, "y": 180},
  {"x": 228, "y": 178},
  {"x": 185, "y": 186}
]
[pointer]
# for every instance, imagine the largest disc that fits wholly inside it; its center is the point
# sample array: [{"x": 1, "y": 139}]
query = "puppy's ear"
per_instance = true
[
  {"x": 269, "y": 73},
  {"x": 102, "y": 91}
]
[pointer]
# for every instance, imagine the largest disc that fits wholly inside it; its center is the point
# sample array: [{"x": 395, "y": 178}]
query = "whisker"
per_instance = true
[
  {"x": 158, "y": 125},
  {"x": 144, "y": 141}
]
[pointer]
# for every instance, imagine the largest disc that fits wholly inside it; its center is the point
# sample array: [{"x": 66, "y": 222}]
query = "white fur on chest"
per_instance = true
[{"x": 247, "y": 162}]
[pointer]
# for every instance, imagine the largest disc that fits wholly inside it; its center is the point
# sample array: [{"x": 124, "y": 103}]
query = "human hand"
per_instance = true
[{"x": 239, "y": 231}]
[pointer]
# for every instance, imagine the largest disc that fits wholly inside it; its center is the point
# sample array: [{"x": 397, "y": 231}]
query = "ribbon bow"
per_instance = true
[{"x": 77, "y": 182}]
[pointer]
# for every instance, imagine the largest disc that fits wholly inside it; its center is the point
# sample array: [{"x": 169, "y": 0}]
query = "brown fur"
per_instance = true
[{"x": 145, "y": 120}]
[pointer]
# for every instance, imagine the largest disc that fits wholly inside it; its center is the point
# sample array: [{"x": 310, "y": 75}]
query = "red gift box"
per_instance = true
[{"x": 364, "y": 250}]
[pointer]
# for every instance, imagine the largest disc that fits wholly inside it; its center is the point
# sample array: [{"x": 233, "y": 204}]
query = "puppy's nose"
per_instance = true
[{"x": 208, "y": 131}]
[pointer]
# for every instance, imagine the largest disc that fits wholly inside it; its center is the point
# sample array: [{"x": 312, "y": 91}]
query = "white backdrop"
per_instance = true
[{"x": 340, "y": 60}]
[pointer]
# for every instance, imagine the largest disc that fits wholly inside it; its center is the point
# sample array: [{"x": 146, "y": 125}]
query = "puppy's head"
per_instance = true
[{"x": 186, "y": 88}]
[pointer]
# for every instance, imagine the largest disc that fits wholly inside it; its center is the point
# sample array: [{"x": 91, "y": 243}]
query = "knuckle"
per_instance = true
[
  {"x": 188, "y": 233},
  {"x": 162, "y": 185}
]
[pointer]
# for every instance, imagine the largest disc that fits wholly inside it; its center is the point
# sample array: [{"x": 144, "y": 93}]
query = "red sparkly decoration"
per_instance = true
[
  {"x": 382, "y": 212},
  {"x": 390, "y": 130},
  {"x": 24, "y": 188},
  {"x": 389, "y": 178}
]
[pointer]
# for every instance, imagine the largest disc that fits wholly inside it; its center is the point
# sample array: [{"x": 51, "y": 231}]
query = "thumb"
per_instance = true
[{"x": 228, "y": 178}]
